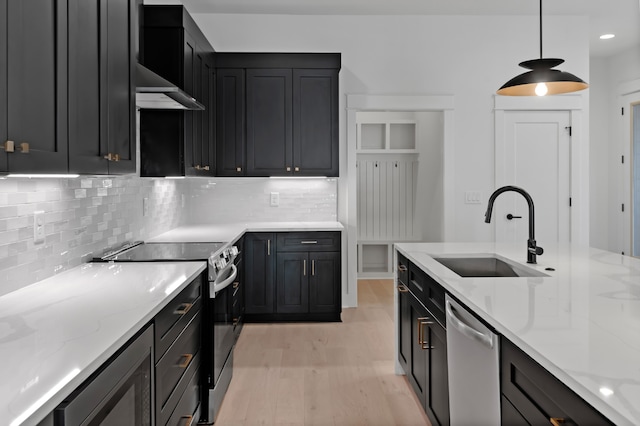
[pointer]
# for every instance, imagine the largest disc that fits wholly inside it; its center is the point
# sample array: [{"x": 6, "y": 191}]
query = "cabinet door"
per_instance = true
[
  {"x": 292, "y": 288},
  {"x": 404, "y": 336},
  {"x": 120, "y": 86},
  {"x": 417, "y": 373},
  {"x": 101, "y": 110},
  {"x": 203, "y": 142},
  {"x": 230, "y": 119},
  {"x": 438, "y": 395},
  {"x": 259, "y": 264},
  {"x": 324, "y": 282},
  {"x": 36, "y": 85},
  {"x": 269, "y": 129},
  {"x": 3, "y": 84},
  {"x": 191, "y": 118},
  {"x": 315, "y": 122}
]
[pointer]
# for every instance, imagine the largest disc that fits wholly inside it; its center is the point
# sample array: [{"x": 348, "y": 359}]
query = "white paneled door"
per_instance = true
[
  {"x": 536, "y": 156},
  {"x": 629, "y": 226}
]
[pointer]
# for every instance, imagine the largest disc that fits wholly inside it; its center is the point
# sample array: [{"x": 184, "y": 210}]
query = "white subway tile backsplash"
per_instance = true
[
  {"x": 88, "y": 215},
  {"x": 82, "y": 217}
]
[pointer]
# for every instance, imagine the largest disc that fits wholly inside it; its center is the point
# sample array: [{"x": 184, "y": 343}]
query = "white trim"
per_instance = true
[
  {"x": 579, "y": 151},
  {"x": 364, "y": 102}
]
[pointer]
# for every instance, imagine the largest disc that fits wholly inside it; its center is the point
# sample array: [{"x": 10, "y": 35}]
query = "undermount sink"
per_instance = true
[{"x": 488, "y": 265}]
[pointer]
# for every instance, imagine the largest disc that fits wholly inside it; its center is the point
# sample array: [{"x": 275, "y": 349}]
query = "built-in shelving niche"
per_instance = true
[{"x": 399, "y": 184}]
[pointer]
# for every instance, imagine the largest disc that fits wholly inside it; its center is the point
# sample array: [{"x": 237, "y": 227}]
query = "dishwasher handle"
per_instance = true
[{"x": 485, "y": 339}]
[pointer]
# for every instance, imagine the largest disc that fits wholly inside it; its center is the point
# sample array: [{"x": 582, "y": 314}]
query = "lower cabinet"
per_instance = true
[
  {"x": 532, "y": 395},
  {"x": 293, "y": 276},
  {"x": 427, "y": 363},
  {"x": 422, "y": 339},
  {"x": 178, "y": 340}
]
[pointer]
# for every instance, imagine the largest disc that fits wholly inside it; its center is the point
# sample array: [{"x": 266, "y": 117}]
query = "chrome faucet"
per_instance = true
[{"x": 532, "y": 248}]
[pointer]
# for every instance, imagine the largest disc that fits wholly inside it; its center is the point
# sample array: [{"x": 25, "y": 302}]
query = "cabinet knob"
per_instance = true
[
  {"x": 556, "y": 421},
  {"x": 185, "y": 360},
  {"x": 238, "y": 169},
  {"x": 9, "y": 146},
  {"x": 288, "y": 169},
  {"x": 24, "y": 147},
  {"x": 296, "y": 169}
]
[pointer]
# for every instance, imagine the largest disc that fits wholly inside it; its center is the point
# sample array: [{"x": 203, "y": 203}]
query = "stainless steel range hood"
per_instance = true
[{"x": 154, "y": 92}]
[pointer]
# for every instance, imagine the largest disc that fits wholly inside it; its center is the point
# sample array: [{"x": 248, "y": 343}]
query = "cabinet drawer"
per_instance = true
[
  {"x": 538, "y": 395},
  {"x": 173, "y": 369},
  {"x": 308, "y": 241},
  {"x": 186, "y": 409},
  {"x": 428, "y": 291},
  {"x": 170, "y": 322},
  {"x": 402, "y": 270}
]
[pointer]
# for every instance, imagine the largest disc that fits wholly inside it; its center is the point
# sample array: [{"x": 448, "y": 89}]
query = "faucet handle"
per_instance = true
[{"x": 536, "y": 250}]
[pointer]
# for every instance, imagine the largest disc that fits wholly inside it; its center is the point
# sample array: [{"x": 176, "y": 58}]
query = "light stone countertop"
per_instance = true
[
  {"x": 231, "y": 232},
  {"x": 55, "y": 333},
  {"x": 581, "y": 323}
]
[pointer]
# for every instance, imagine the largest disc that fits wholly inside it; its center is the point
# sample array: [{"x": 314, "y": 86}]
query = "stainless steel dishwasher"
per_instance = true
[{"x": 473, "y": 366}]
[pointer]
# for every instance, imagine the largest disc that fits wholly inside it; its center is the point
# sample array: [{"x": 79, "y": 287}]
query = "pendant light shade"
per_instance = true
[{"x": 542, "y": 79}]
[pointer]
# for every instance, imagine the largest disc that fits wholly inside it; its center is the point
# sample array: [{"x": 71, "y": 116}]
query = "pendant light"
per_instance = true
[{"x": 542, "y": 79}]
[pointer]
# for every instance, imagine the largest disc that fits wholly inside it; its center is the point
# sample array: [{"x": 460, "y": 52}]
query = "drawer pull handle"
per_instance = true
[
  {"x": 313, "y": 268},
  {"x": 112, "y": 157},
  {"x": 183, "y": 309},
  {"x": 268, "y": 247},
  {"x": 556, "y": 421},
  {"x": 304, "y": 267},
  {"x": 402, "y": 268},
  {"x": 236, "y": 321},
  {"x": 403, "y": 288},
  {"x": 9, "y": 146},
  {"x": 421, "y": 340},
  {"x": 236, "y": 284},
  {"x": 189, "y": 420},
  {"x": 24, "y": 147},
  {"x": 199, "y": 167},
  {"x": 308, "y": 242},
  {"x": 186, "y": 359}
]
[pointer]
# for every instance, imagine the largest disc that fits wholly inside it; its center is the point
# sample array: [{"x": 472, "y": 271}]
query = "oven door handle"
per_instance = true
[{"x": 219, "y": 286}]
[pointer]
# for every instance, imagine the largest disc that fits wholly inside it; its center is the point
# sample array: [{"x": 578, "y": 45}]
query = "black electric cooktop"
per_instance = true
[{"x": 147, "y": 252}]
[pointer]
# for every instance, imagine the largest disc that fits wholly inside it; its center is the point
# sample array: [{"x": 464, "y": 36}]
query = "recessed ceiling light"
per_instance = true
[{"x": 607, "y": 36}]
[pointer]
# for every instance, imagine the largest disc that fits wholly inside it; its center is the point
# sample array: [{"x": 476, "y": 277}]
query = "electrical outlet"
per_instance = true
[
  {"x": 472, "y": 197},
  {"x": 275, "y": 199},
  {"x": 145, "y": 206},
  {"x": 38, "y": 227}
]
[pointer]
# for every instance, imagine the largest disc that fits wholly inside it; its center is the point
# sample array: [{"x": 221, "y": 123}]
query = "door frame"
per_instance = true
[
  {"x": 625, "y": 226},
  {"x": 360, "y": 102},
  {"x": 579, "y": 186}
]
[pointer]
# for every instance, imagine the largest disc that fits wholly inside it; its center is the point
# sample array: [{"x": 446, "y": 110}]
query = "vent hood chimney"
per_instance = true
[{"x": 154, "y": 92}]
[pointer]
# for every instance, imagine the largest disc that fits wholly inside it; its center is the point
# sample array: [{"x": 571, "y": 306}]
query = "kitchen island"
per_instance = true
[{"x": 581, "y": 322}]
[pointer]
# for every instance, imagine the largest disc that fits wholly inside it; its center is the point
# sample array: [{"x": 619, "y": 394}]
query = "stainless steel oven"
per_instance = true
[
  {"x": 218, "y": 338},
  {"x": 119, "y": 394}
]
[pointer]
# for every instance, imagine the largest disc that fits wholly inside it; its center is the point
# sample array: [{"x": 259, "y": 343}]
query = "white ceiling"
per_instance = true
[{"x": 621, "y": 17}]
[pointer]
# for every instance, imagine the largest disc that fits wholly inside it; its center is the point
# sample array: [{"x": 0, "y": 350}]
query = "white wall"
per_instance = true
[{"x": 464, "y": 56}]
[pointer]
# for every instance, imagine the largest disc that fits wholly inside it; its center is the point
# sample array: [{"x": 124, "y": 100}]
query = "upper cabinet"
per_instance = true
[
  {"x": 66, "y": 84},
  {"x": 102, "y": 37},
  {"x": 178, "y": 142},
  {"x": 33, "y": 78},
  {"x": 277, "y": 114}
]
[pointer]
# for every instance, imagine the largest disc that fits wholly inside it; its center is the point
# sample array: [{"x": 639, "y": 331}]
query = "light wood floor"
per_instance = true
[{"x": 323, "y": 374}]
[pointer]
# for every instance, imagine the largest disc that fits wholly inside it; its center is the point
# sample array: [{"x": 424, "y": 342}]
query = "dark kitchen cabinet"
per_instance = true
[
  {"x": 33, "y": 86},
  {"x": 101, "y": 102},
  {"x": 404, "y": 313},
  {"x": 305, "y": 282},
  {"x": 178, "y": 142},
  {"x": 259, "y": 266},
  {"x": 422, "y": 343},
  {"x": 532, "y": 395},
  {"x": 230, "y": 122},
  {"x": 289, "y": 110}
]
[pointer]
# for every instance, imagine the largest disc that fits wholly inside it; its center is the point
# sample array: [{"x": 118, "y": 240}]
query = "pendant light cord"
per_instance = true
[{"x": 540, "y": 29}]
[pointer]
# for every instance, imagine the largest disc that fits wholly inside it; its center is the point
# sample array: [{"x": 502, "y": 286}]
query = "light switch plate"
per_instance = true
[
  {"x": 38, "y": 227},
  {"x": 472, "y": 197},
  {"x": 275, "y": 199}
]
